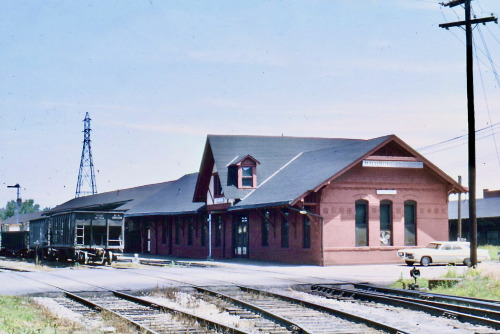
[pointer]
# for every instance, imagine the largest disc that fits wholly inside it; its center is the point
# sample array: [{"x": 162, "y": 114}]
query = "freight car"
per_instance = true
[
  {"x": 15, "y": 243},
  {"x": 80, "y": 236}
]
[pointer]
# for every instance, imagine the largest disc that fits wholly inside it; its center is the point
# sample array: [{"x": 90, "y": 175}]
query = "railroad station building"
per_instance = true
[
  {"x": 315, "y": 201},
  {"x": 299, "y": 200}
]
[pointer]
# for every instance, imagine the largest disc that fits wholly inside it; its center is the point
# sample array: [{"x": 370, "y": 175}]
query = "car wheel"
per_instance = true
[
  {"x": 425, "y": 261},
  {"x": 467, "y": 262},
  {"x": 409, "y": 263}
]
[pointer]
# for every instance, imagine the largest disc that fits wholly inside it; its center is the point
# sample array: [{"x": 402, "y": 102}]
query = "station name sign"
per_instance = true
[{"x": 393, "y": 164}]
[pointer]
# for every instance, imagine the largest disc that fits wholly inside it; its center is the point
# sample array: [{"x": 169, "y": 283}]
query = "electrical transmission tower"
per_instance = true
[{"x": 86, "y": 174}]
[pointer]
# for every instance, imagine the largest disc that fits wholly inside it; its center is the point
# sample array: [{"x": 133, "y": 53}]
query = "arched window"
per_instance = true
[
  {"x": 410, "y": 223},
  {"x": 385, "y": 223},
  {"x": 361, "y": 222}
]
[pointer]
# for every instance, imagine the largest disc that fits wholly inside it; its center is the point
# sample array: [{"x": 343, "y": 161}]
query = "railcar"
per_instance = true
[
  {"x": 84, "y": 236},
  {"x": 15, "y": 243}
]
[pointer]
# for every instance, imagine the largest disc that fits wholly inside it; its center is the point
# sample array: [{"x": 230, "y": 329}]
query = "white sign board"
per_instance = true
[{"x": 393, "y": 164}]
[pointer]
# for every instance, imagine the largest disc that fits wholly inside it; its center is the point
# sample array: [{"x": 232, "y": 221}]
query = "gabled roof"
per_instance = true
[
  {"x": 292, "y": 167},
  {"x": 119, "y": 200},
  {"x": 176, "y": 197},
  {"x": 166, "y": 198}
]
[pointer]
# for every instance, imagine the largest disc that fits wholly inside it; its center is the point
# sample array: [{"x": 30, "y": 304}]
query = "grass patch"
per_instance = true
[
  {"x": 483, "y": 282},
  {"x": 21, "y": 315},
  {"x": 493, "y": 251}
]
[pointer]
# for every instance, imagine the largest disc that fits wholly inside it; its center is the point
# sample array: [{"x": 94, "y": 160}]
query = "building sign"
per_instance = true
[
  {"x": 387, "y": 192},
  {"x": 393, "y": 164}
]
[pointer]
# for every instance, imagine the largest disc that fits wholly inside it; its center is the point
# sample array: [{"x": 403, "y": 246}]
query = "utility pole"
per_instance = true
[
  {"x": 459, "y": 227},
  {"x": 470, "y": 116}
]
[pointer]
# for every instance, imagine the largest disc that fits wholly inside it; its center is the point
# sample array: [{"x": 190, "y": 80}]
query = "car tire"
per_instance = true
[
  {"x": 425, "y": 261},
  {"x": 409, "y": 263},
  {"x": 467, "y": 262}
]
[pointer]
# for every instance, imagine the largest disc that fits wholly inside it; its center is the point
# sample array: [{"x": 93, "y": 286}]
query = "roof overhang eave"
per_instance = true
[
  {"x": 258, "y": 206},
  {"x": 163, "y": 213}
]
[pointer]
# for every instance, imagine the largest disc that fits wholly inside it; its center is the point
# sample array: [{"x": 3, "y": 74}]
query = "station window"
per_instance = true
[
  {"x": 190, "y": 232},
  {"x": 361, "y": 223},
  {"x": 285, "y": 229},
  {"x": 164, "y": 232},
  {"x": 306, "y": 232},
  {"x": 385, "y": 223},
  {"x": 265, "y": 225},
  {"x": 410, "y": 223},
  {"x": 218, "y": 230},
  {"x": 204, "y": 227},
  {"x": 178, "y": 231}
]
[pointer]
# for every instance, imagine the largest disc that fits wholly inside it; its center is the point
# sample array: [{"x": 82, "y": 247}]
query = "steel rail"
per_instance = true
[
  {"x": 469, "y": 301},
  {"x": 328, "y": 310},
  {"x": 206, "y": 322},
  {"x": 101, "y": 308},
  {"x": 412, "y": 304},
  {"x": 285, "y": 322}
]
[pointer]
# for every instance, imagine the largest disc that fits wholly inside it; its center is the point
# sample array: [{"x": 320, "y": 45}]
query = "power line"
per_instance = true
[
  {"x": 484, "y": 91},
  {"x": 492, "y": 126}
]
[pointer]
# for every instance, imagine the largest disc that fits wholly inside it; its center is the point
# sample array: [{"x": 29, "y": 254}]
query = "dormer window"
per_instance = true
[
  {"x": 247, "y": 176},
  {"x": 247, "y": 172}
]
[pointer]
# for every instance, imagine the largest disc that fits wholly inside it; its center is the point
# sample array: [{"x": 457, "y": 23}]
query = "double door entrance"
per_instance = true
[{"x": 240, "y": 236}]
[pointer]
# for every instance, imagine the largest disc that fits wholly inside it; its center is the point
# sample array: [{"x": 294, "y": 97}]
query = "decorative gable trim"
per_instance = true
[{"x": 247, "y": 160}]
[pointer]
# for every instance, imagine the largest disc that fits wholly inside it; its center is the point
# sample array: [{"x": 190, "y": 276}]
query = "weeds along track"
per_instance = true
[
  {"x": 470, "y": 310},
  {"x": 146, "y": 316}
]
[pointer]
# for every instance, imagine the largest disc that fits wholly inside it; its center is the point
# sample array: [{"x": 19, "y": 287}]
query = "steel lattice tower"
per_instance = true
[{"x": 86, "y": 174}]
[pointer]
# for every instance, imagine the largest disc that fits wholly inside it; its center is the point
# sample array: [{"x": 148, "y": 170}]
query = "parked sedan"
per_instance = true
[{"x": 442, "y": 252}]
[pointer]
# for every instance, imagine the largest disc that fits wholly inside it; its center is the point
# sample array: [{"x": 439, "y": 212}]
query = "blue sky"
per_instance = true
[{"x": 157, "y": 76}]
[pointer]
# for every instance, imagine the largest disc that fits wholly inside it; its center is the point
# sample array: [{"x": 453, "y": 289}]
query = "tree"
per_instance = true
[{"x": 27, "y": 206}]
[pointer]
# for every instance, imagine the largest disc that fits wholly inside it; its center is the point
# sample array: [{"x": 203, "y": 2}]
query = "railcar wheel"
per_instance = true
[
  {"x": 425, "y": 261},
  {"x": 109, "y": 257},
  {"x": 409, "y": 263}
]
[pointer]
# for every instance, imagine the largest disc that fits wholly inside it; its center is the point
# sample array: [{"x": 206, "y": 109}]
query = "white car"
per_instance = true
[{"x": 442, "y": 252}]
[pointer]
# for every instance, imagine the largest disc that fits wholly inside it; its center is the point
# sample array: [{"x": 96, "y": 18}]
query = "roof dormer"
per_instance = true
[{"x": 246, "y": 172}]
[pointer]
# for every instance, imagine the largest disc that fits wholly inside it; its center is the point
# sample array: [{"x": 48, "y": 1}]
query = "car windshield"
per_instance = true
[{"x": 433, "y": 245}]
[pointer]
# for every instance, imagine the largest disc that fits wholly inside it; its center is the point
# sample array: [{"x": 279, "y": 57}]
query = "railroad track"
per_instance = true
[
  {"x": 269, "y": 313},
  {"x": 470, "y": 310},
  {"x": 146, "y": 316},
  {"x": 398, "y": 317},
  {"x": 297, "y": 315},
  {"x": 266, "y": 312}
]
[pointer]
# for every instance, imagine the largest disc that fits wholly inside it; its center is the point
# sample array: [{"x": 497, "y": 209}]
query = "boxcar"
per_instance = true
[
  {"x": 15, "y": 242},
  {"x": 85, "y": 236}
]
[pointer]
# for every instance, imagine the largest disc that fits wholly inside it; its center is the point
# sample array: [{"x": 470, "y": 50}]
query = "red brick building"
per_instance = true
[{"x": 298, "y": 200}]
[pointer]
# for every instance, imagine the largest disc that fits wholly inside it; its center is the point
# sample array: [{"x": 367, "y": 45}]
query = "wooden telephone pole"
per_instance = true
[{"x": 471, "y": 119}]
